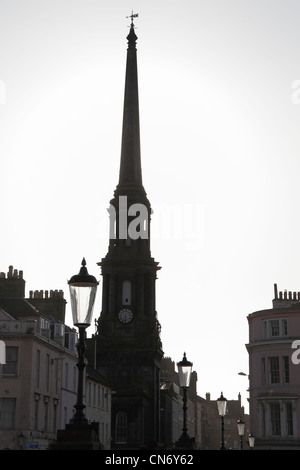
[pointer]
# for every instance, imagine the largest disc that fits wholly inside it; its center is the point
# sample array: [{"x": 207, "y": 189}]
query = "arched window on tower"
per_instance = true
[
  {"x": 121, "y": 427},
  {"x": 126, "y": 293}
]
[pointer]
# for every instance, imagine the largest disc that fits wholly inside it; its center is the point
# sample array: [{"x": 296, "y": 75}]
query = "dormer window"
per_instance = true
[
  {"x": 275, "y": 328},
  {"x": 44, "y": 324},
  {"x": 57, "y": 330}
]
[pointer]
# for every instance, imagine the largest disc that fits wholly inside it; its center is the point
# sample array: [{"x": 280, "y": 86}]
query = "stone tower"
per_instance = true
[{"x": 129, "y": 348}]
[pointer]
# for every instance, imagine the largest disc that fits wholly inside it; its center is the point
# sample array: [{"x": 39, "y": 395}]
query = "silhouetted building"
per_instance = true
[
  {"x": 49, "y": 302},
  {"x": 171, "y": 412},
  {"x": 129, "y": 348},
  {"x": 274, "y": 376},
  {"x": 211, "y": 424},
  {"x": 12, "y": 284},
  {"x": 38, "y": 383}
]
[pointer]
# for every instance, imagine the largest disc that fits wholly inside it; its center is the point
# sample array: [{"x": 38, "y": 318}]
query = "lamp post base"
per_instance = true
[
  {"x": 76, "y": 438},
  {"x": 184, "y": 443}
]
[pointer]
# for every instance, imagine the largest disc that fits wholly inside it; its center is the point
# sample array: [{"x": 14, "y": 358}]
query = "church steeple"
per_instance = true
[{"x": 130, "y": 166}]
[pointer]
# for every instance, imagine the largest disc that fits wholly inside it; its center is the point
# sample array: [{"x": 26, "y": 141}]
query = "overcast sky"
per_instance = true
[{"x": 220, "y": 115}]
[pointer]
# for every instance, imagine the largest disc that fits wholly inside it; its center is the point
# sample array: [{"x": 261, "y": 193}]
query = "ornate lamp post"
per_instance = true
[
  {"x": 222, "y": 405},
  {"x": 184, "y": 373},
  {"x": 241, "y": 429},
  {"x": 83, "y": 288}
]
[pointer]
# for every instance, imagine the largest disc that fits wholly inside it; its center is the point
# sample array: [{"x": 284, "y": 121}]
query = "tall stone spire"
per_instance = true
[
  {"x": 130, "y": 176},
  {"x": 129, "y": 348}
]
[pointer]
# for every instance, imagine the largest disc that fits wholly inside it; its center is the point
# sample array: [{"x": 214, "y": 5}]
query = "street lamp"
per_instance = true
[
  {"x": 241, "y": 429},
  {"x": 184, "y": 373},
  {"x": 251, "y": 440},
  {"x": 83, "y": 288},
  {"x": 222, "y": 405},
  {"x": 21, "y": 438}
]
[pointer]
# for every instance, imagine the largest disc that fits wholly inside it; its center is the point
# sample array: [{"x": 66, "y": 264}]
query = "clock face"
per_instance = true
[{"x": 125, "y": 315}]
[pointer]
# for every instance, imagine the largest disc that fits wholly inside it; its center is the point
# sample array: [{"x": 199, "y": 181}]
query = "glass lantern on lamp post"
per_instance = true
[
  {"x": 83, "y": 288},
  {"x": 251, "y": 440},
  {"x": 222, "y": 405},
  {"x": 184, "y": 373},
  {"x": 241, "y": 429}
]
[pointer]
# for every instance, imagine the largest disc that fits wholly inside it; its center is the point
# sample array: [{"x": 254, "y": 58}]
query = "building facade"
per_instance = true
[
  {"x": 171, "y": 410},
  {"x": 129, "y": 348},
  {"x": 98, "y": 404},
  {"x": 211, "y": 424},
  {"x": 38, "y": 382},
  {"x": 274, "y": 373}
]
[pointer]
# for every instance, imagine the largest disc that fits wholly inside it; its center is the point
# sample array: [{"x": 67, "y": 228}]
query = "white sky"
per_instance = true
[{"x": 220, "y": 144}]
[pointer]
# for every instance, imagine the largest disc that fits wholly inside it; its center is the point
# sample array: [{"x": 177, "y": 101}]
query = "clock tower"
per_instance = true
[{"x": 129, "y": 348}]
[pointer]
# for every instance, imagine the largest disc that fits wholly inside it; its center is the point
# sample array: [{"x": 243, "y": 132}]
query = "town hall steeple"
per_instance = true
[
  {"x": 130, "y": 167},
  {"x": 130, "y": 209},
  {"x": 129, "y": 348}
]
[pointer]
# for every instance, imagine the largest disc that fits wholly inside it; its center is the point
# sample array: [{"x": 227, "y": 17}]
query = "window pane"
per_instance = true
[
  {"x": 10, "y": 368},
  {"x": 7, "y": 412},
  {"x": 275, "y": 419},
  {"x": 274, "y": 327},
  {"x": 274, "y": 370},
  {"x": 263, "y": 370},
  {"x": 286, "y": 369},
  {"x": 37, "y": 369},
  {"x": 289, "y": 419},
  {"x": 284, "y": 328},
  {"x": 121, "y": 427}
]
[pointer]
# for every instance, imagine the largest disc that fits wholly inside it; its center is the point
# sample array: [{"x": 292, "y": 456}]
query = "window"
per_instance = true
[
  {"x": 274, "y": 370},
  {"x": 263, "y": 419},
  {"x": 65, "y": 415},
  {"x": 263, "y": 370},
  {"x": 46, "y": 411},
  {"x": 275, "y": 328},
  {"x": 37, "y": 368},
  {"x": 284, "y": 327},
  {"x": 275, "y": 419},
  {"x": 10, "y": 368},
  {"x": 289, "y": 419},
  {"x": 7, "y": 412},
  {"x": 55, "y": 375},
  {"x": 66, "y": 375},
  {"x": 74, "y": 378},
  {"x": 106, "y": 398},
  {"x": 54, "y": 416},
  {"x": 102, "y": 432},
  {"x": 126, "y": 293},
  {"x": 70, "y": 340},
  {"x": 47, "y": 367},
  {"x": 44, "y": 324},
  {"x": 286, "y": 369},
  {"x": 121, "y": 427},
  {"x": 36, "y": 412}
]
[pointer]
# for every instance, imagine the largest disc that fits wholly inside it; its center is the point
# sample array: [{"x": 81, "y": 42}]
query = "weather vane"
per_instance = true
[{"x": 133, "y": 15}]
